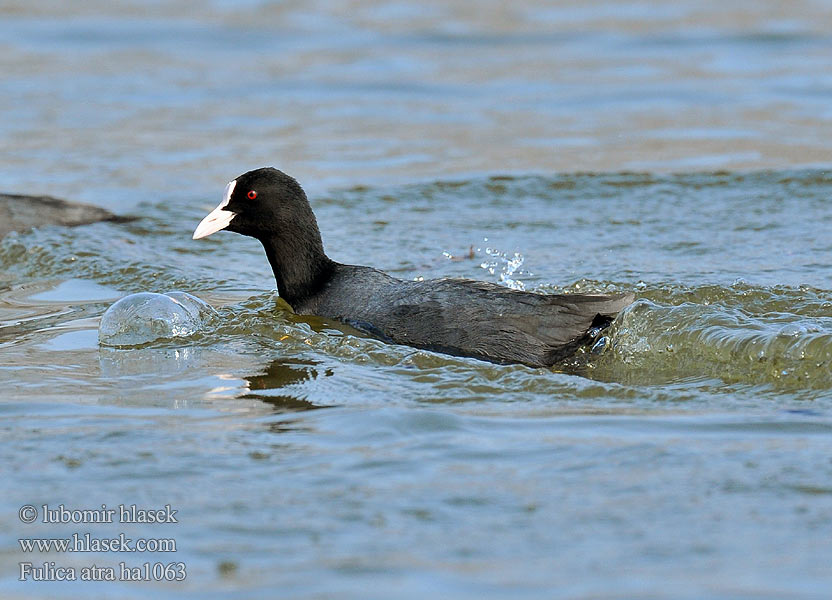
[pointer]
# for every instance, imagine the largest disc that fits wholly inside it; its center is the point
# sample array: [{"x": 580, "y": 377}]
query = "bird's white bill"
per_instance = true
[{"x": 217, "y": 219}]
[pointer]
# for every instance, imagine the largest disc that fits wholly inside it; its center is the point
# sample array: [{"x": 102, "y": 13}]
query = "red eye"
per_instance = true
[{"x": 252, "y": 195}]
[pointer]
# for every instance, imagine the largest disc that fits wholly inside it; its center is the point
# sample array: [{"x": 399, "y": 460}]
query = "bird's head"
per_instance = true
[{"x": 264, "y": 203}]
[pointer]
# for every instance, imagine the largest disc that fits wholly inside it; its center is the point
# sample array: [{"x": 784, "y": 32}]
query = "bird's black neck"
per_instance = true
[{"x": 301, "y": 268}]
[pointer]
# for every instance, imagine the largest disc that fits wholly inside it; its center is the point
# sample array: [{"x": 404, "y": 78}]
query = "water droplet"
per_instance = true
[
  {"x": 599, "y": 346},
  {"x": 791, "y": 330}
]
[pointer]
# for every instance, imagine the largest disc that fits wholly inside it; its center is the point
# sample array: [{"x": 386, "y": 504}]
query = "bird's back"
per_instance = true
[{"x": 464, "y": 317}]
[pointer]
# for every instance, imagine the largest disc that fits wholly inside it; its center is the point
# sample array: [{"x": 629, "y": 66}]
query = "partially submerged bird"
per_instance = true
[{"x": 454, "y": 316}]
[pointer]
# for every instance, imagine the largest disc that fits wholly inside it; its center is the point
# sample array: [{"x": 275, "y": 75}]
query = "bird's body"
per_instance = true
[
  {"x": 455, "y": 316},
  {"x": 463, "y": 317}
]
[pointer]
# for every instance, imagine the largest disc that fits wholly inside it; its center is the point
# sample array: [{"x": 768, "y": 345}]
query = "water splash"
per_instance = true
[
  {"x": 653, "y": 343},
  {"x": 507, "y": 266}
]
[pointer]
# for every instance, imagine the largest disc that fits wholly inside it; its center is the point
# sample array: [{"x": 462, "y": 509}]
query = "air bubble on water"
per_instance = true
[
  {"x": 792, "y": 330},
  {"x": 147, "y": 316}
]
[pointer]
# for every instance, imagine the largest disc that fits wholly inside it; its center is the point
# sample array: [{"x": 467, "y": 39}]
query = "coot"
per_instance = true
[{"x": 454, "y": 316}]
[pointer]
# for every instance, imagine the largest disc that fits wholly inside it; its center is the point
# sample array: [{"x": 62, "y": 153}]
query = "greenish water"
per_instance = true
[
  {"x": 532, "y": 144},
  {"x": 690, "y": 458}
]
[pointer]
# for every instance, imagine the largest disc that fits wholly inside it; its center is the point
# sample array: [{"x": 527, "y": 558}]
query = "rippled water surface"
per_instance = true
[
  {"x": 691, "y": 458},
  {"x": 700, "y": 437}
]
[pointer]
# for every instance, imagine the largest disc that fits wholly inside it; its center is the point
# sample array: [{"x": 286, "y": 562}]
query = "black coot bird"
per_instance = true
[{"x": 454, "y": 316}]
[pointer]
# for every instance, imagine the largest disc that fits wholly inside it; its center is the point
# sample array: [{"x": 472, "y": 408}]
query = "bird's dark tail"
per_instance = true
[{"x": 606, "y": 308}]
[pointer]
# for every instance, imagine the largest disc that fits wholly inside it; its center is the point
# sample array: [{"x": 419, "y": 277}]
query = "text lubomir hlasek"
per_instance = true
[{"x": 120, "y": 514}]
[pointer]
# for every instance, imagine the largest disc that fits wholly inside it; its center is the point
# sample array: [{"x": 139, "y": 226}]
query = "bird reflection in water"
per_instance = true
[
  {"x": 282, "y": 379},
  {"x": 282, "y": 383}
]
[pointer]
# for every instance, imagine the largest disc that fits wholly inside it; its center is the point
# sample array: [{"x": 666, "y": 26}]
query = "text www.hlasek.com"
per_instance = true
[{"x": 87, "y": 543}]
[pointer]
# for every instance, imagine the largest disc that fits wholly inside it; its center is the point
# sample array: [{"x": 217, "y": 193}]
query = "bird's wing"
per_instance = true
[{"x": 489, "y": 321}]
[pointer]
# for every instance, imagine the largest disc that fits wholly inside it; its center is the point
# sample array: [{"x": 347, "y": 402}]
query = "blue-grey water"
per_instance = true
[{"x": 677, "y": 151}]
